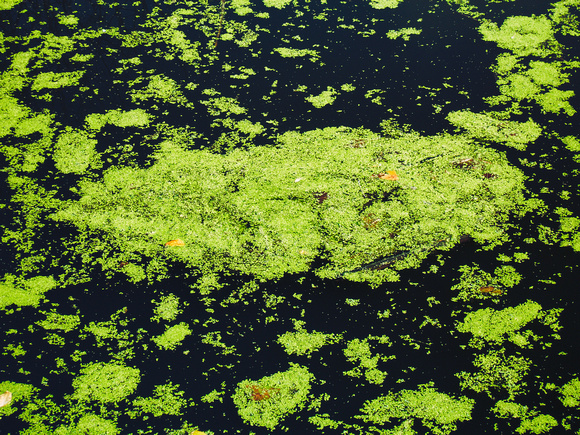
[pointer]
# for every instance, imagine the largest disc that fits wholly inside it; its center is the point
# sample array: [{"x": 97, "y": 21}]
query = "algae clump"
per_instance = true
[
  {"x": 302, "y": 342},
  {"x": 496, "y": 325},
  {"x": 269, "y": 400},
  {"x": 173, "y": 336},
  {"x": 273, "y": 210},
  {"x": 105, "y": 382},
  {"x": 74, "y": 152},
  {"x": 437, "y": 411},
  {"x": 167, "y": 399},
  {"x": 24, "y": 292}
]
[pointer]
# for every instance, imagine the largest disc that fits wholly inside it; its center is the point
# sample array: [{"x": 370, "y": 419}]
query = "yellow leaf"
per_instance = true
[
  {"x": 176, "y": 242},
  {"x": 390, "y": 175}
]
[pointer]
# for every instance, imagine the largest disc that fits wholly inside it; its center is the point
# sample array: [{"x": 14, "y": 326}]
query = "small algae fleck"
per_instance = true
[
  {"x": 294, "y": 52},
  {"x": 404, "y": 34}
]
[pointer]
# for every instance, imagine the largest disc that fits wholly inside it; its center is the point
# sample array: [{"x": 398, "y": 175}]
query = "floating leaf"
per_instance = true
[
  {"x": 176, "y": 242},
  {"x": 5, "y": 398},
  {"x": 491, "y": 290},
  {"x": 390, "y": 175}
]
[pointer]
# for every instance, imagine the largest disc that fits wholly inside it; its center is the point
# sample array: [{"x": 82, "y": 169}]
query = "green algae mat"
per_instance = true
[{"x": 256, "y": 217}]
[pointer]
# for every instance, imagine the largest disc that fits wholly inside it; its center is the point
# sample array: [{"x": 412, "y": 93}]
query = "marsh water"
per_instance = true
[{"x": 345, "y": 217}]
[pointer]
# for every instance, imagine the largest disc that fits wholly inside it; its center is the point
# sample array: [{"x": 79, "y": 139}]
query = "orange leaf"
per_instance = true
[
  {"x": 390, "y": 175},
  {"x": 491, "y": 290},
  {"x": 176, "y": 242}
]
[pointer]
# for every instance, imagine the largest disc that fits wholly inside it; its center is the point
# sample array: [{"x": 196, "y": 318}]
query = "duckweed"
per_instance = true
[
  {"x": 193, "y": 122},
  {"x": 269, "y": 400},
  {"x": 105, "y": 382}
]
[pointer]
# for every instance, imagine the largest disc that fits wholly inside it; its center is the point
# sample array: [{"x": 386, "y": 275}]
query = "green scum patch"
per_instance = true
[
  {"x": 273, "y": 210},
  {"x": 437, "y": 412},
  {"x": 269, "y": 400}
]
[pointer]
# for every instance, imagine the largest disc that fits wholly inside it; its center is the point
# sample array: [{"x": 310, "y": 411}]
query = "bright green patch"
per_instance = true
[
  {"x": 61, "y": 322},
  {"x": 279, "y": 4},
  {"x": 25, "y": 292},
  {"x": 302, "y": 342},
  {"x": 21, "y": 394},
  {"x": 383, "y": 4},
  {"x": 173, "y": 336},
  {"x": 497, "y": 372},
  {"x": 119, "y": 118},
  {"x": 325, "y": 98},
  {"x": 492, "y": 325},
  {"x": 511, "y": 133},
  {"x": 68, "y": 20},
  {"x": 167, "y": 399},
  {"x": 8, "y": 4},
  {"x": 404, "y": 33},
  {"x": 167, "y": 308},
  {"x": 51, "y": 80},
  {"x": 105, "y": 382},
  {"x": 269, "y": 400},
  {"x": 438, "y": 412},
  {"x": 74, "y": 152},
  {"x": 159, "y": 87},
  {"x": 530, "y": 420},
  {"x": 317, "y": 191},
  {"x": 571, "y": 393},
  {"x": 522, "y": 35},
  {"x": 91, "y": 424},
  {"x": 359, "y": 352}
]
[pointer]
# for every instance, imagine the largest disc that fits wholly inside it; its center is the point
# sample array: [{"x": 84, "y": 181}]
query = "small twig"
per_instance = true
[{"x": 222, "y": 13}]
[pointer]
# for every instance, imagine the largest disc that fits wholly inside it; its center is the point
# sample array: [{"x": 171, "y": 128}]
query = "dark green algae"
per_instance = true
[{"x": 121, "y": 182}]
